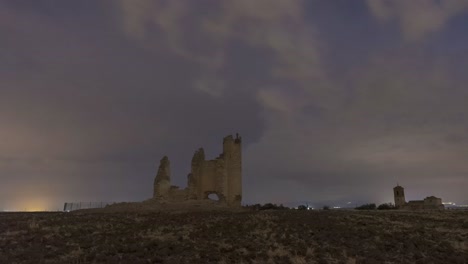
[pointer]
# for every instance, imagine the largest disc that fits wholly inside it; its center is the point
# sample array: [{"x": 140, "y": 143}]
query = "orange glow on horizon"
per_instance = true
[{"x": 33, "y": 205}]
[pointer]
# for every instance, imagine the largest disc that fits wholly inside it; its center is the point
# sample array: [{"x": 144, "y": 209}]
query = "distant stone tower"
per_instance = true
[{"x": 399, "y": 194}]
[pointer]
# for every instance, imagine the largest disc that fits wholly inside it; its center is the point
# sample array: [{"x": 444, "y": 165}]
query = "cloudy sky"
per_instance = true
[{"x": 336, "y": 100}]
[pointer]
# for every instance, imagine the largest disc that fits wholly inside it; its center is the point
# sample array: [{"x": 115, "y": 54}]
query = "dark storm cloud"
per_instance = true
[{"x": 93, "y": 95}]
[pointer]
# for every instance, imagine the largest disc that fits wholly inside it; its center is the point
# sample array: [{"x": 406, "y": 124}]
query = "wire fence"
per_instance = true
[{"x": 67, "y": 207}]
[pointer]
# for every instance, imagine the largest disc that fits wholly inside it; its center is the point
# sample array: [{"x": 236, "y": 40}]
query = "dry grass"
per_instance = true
[{"x": 294, "y": 237}]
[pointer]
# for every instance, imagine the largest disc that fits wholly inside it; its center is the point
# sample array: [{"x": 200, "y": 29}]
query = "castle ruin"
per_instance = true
[
  {"x": 429, "y": 203},
  {"x": 221, "y": 176}
]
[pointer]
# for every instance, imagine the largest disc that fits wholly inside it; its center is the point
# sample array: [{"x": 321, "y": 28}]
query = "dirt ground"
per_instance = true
[{"x": 286, "y": 236}]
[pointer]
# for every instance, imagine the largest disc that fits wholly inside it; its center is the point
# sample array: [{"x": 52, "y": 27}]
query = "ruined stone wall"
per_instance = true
[
  {"x": 177, "y": 194},
  {"x": 221, "y": 186},
  {"x": 195, "y": 179},
  {"x": 208, "y": 176},
  {"x": 211, "y": 178},
  {"x": 192, "y": 190}
]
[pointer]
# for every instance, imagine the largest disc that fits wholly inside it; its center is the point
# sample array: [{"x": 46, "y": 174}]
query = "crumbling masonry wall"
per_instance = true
[{"x": 221, "y": 176}]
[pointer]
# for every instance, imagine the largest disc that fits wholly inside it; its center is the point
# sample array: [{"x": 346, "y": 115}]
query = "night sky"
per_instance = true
[{"x": 336, "y": 101}]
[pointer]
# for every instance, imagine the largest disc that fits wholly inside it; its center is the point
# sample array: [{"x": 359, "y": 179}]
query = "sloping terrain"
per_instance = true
[{"x": 286, "y": 236}]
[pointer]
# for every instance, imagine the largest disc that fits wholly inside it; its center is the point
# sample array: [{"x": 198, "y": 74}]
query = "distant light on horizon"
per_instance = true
[
  {"x": 448, "y": 203},
  {"x": 29, "y": 205}
]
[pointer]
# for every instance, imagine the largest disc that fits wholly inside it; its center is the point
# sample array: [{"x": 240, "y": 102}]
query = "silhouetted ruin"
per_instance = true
[{"x": 221, "y": 176}]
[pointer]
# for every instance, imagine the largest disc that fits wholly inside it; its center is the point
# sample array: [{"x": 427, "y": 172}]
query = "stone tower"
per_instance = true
[
  {"x": 232, "y": 156},
  {"x": 399, "y": 194},
  {"x": 162, "y": 182}
]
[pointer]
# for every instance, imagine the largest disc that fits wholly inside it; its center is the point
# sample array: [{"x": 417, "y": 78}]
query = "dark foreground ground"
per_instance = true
[{"x": 247, "y": 237}]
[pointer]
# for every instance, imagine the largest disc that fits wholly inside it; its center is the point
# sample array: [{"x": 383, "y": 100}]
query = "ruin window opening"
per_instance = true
[{"x": 213, "y": 197}]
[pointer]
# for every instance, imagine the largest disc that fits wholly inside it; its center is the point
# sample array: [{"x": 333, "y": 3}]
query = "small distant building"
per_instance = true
[{"x": 429, "y": 203}]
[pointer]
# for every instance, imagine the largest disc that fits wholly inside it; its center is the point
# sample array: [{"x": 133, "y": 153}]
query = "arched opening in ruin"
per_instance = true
[{"x": 213, "y": 196}]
